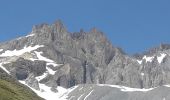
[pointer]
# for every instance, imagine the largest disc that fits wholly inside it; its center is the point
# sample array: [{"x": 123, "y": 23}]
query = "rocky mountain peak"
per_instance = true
[
  {"x": 56, "y": 28},
  {"x": 164, "y": 46},
  {"x": 40, "y": 28},
  {"x": 96, "y": 31},
  {"x": 160, "y": 48},
  {"x": 45, "y": 33},
  {"x": 59, "y": 26}
]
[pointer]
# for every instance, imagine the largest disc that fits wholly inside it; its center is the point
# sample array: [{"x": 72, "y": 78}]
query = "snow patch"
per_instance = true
[
  {"x": 4, "y": 68},
  {"x": 139, "y": 61},
  {"x": 53, "y": 64},
  {"x": 167, "y": 86},
  {"x": 40, "y": 57},
  {"x": 148, "y": 59},
  {"x": 160, "y": 58},
  {"x": 1, "y": 50},
  {"x": 46, "y": 93},
  {"x": 30, "y": 35},
  {"x": 142, "y": 74},
  {"x": 42, "y": 76},
  {"x": 127, "y": 89},
  {"x": 50, "y": 71},
  {"x": 10, "y": 53}
]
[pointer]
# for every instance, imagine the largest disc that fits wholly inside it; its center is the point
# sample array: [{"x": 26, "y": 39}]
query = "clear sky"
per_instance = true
[{"x": 134, "y": 25}]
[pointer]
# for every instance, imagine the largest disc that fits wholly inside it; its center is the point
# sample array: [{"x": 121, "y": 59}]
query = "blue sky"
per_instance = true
[{"x": 134, "y": 25}]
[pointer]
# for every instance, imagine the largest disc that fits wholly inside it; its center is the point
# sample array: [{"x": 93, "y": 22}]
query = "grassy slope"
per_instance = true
[{"x": 10, "y": 89}]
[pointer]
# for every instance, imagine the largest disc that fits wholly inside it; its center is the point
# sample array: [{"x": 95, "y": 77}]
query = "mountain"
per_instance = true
[{"x": 52, "y": 61}]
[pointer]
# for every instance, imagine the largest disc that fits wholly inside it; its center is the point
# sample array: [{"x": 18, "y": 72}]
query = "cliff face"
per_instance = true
[{"x": 68, "y": 59}]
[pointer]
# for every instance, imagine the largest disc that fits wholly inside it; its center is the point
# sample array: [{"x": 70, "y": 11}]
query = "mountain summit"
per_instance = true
[{"x": 51, "y": 60}]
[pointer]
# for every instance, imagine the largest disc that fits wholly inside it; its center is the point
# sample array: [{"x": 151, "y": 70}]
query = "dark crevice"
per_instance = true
[
  {"x": 52, "y": 37},
  {"x": 71, "y": 82},
  {"x": 58, "y": 82},
  {"x": 84, "y": 71}
]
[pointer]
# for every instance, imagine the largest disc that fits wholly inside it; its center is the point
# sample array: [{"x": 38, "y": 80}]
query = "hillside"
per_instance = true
[{"x": 11, "y": 89}]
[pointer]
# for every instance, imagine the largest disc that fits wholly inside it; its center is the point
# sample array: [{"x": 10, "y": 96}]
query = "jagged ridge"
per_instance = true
[{"x": 70, "y": 59}]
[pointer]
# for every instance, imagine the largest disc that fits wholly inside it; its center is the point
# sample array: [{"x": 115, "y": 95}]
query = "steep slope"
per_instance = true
[
  {"x": 114, "y": 92},
  {"x": 10, "y": 89}
]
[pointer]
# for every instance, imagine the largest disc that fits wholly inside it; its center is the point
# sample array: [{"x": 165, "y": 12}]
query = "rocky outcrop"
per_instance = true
[
  {"x": 32, "y": 82},
  {"x": 21, "y": 69}
]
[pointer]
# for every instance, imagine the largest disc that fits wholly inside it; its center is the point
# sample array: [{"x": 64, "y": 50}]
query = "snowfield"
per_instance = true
[
  {"x": 10, "y": 53},
  {"x": 46, "y": 93}
]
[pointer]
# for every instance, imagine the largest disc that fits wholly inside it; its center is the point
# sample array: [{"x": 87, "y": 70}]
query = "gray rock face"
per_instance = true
[
  {"x": 86, "y": 58},
  {"x": 124, "y": 71},
  {"x": 32, "y": 82},
  {"x": 38, "y": 67},
  {"x": 22, "y": 68}
]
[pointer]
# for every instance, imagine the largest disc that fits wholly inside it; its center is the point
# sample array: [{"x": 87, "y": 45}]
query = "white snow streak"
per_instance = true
[
  {"x": 50, "y": 71},
  {"x": 80, "y": 97},
  {"x": 15, "y": 52},
  {"x": 1, "y": 50},
  {"x": 81, "y": 88},
  {"x": 53, "y": 64},
  {"x": 30, "y": 35},
  {"x": 127, "y": 89},
  {"x": 42, "y": 76},
  {"x": 40, "y": 57},
  {"x": 88, "y": 95},
  {"x": 167, "y": 86},
  {"x": 4, "y": 68},
  {"x": 160, "y": 58}
]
